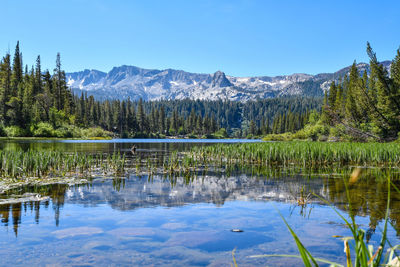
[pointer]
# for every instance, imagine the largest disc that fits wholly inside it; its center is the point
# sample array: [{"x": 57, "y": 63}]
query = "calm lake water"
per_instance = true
[{"x": 137, "y": 221}]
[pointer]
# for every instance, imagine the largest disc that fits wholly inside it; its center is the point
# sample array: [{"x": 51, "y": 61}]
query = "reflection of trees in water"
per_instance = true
[
  {"x": 55, "y": 192},
  {"x": 367, "y": 196},
  {"x": 14, "y": 210}
]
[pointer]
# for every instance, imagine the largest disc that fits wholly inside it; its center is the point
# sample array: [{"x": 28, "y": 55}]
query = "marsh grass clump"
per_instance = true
[
  {"x": 42, "y": 164},
  {"x": 278, "y": 159},
  {"x": 317, "y": 154}
]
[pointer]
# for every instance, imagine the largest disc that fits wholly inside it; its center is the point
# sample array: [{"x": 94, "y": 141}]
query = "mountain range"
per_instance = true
[{"x": 151, "y": 84}]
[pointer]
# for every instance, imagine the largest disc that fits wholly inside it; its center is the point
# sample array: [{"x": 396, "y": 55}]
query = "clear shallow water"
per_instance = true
[{"x": 136, "y": 221}]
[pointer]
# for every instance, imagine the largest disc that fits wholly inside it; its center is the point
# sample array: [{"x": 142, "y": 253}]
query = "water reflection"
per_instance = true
[
  {"x": 368, "y": 196},
  {"x": 15, "y": 206},
  {"x": 107, "y": 146},
  {"x": 157, "y": 219}
]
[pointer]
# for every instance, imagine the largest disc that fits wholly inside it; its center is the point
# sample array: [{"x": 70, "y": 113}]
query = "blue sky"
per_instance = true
[{"x": 239, "y": 37}]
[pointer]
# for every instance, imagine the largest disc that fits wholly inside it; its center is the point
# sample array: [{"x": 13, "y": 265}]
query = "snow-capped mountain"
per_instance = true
[{"x": 151, "y": 84}]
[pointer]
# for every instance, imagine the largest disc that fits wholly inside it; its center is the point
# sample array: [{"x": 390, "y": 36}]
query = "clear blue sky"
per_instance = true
[{"x": 239, "y": 37}]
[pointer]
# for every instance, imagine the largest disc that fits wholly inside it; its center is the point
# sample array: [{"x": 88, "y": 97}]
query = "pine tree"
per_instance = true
[
  {"x": 59, "y": 84},
  {"x": 17, "y": 75},
  {"x": 339, "y": 99},
  {"x": 38, "y": 77},
  {"x": 388, "y": 103},
  {"x": 141, "y": 119},
  {"x": 395, "y": 74},
  {"x": 332, "y": 96},
  {"x": 27, "y": 99},
  {"x": 162, "y": 126},
  {"x": 5, "y": 87},
  {"x": 352, "y": 111},
  {"x": 252, "y": 127}
]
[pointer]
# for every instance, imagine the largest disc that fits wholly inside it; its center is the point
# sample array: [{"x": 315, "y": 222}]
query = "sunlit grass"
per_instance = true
[
  {"x": 21, "y": 164},
  {"x": 298, "y": 153}
]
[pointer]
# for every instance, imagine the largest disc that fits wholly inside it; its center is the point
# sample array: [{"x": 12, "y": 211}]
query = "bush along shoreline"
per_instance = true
[{"x": 46, "y": 130}]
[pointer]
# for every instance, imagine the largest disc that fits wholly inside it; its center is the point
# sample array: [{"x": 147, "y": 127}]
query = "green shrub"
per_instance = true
[
  {"x": 278, "y": 137},
  {"x": 312, "y": 131},
  {"x": 181, "y": 131},
  {"x": 67, "y": 131},
  {"x": 335, "y": 132},
  {"x": 57, "y": 117},
  {"x": 95, "y": 132},
  {"x": 42, "y": 129},
  {"x": 15, "y": 131},
  {"x": 221, "y": 133}
]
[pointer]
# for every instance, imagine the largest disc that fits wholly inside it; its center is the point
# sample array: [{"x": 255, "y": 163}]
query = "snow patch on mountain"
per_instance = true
[{"x": 151, "y": 84}]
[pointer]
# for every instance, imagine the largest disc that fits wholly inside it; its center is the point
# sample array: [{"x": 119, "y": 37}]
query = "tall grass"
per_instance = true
[
  {"x": 300, "y": 153},
  {"x": 20, "y": 164}
]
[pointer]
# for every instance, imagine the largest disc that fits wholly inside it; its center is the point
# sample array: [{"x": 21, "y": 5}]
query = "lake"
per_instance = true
[{"x": 132, "y": 220}]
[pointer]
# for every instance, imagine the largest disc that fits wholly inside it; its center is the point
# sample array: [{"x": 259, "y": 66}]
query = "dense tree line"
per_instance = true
[
  {"x": 31, "y": 96},
  {"x": 200, "y": 117},
  {"x": 259, "y": 117},
  {"x": 366, "y": 105},
  {"x": 39, "y": 103}
]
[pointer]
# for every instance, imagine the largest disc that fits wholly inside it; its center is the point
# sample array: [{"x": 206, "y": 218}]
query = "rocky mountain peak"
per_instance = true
[
  {"x": 151, "y": 84},
  {"x": 219, "y": 80}
]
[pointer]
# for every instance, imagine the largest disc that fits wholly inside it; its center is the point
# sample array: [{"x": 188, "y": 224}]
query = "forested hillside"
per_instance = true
[{"x": 36, "y": 102}]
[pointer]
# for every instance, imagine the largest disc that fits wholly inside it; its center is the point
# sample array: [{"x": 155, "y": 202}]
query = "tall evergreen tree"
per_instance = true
[
  {"x": 141, "y": 119},
  {"x": 17, "y": 75},
  {"x": 5, "y": 87}
]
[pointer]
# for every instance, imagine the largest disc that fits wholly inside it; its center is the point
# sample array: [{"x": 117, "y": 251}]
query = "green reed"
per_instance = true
[
  {"x": 31, "y": 163},
  {"x": 298, "y": 153}
]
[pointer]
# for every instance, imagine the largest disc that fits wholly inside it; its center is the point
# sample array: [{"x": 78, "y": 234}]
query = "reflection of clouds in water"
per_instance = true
[
  {"x": 174, "y": 226},
  {"x": 77, "y": 231},
  {"x": 181, "y": 248},
  {"x": 193, "y": 238},
  {"x": 231, "y": 223},
  {"x": 126, "y": 232}
]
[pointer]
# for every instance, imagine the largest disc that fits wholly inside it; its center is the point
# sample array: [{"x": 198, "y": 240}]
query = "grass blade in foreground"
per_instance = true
[
  {"x": 363, "y": 256},
  {"x": 308, "y": 259}
]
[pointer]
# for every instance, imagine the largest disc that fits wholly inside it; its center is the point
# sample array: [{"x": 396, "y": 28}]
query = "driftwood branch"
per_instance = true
[{"x": 353, "y": 131}]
